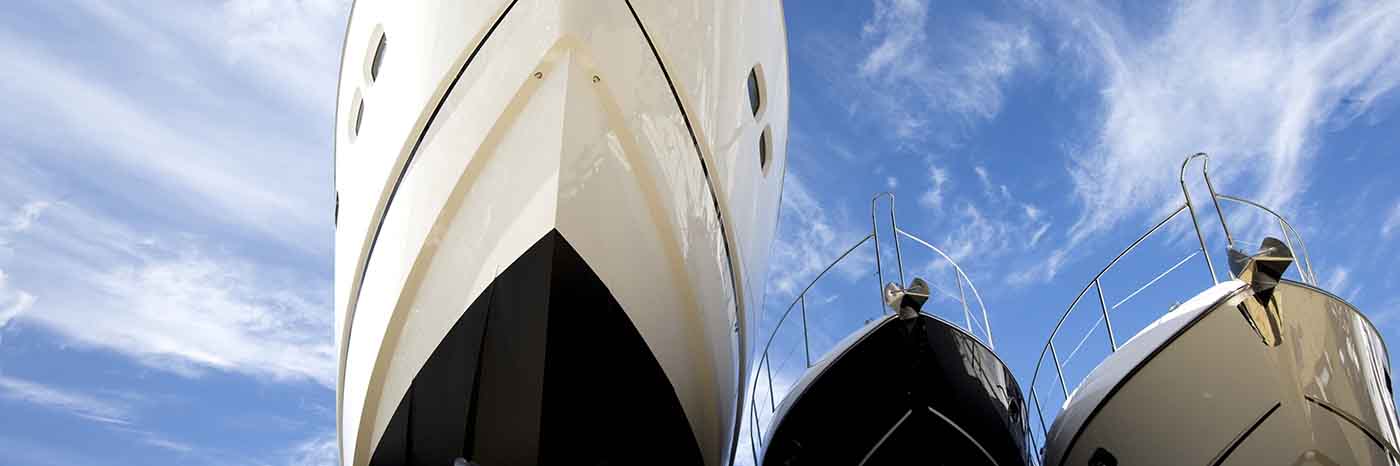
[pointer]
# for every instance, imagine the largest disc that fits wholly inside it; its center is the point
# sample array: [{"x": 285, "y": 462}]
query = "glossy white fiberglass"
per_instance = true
[
  {"x": 1183, "y": 388},
  {"x": 528, "y": 140}
]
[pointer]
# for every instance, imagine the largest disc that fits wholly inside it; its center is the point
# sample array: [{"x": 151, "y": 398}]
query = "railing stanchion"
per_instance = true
[
  {"x": 894, "y": 231},
  {"x": 875, "y": 231},
  {"x": 1112, "y": 342},
  {"x": 1192, "y": 209},
  {"x": 1305, "y": 261},
  {"x": 1288, "y": 241},
  {"x": 879, "y": 270},
  {"x": 753, "y": 404},
  {"x": 962, "y": 296},
  {"x": 1056, "y": 356},
  {"x": 1039, "y": 414},
  {"x": 1290, "y": 238},
  {"x": 986, "y": 321},
  {"x": 1205, "y": 172},
  {"x": 806, "y": 348},
  {"x": 768, "y": 365},
  {"x": 753, "y": 447}
]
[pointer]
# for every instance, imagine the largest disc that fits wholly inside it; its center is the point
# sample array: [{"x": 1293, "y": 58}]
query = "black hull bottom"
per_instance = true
[
  {"x": 912, "y": 391},
  {"x": 544, "y": 368}
]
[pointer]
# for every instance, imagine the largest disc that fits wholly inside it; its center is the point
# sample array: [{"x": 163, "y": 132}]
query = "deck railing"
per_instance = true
[
  {"x": 762, "y": 391},
  {"x": 1067, "y": 386}
]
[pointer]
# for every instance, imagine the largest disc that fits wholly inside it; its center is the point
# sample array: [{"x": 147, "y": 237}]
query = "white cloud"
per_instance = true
[
  {"x": 149, "y": 154},
  {"x": 287, "y": 42},
  {"x": 996, "y": 192},
  {"x": 1035, "y": 237},
  {"x": 320, "y": 450},
  {"x": 810, "y": 238},
  {"x": 13, "y": 302},
  {"x": 1254, "y": 85},
  {"x": 982, "y": 176},
  {"x": 1032, "y": 212},
  {"x": 27, "y": 215},
  {"x": 1338, "y": 281},
  {"x": 176, "y": 143},
  {"x": 933, "y": 197},
  {"x": 1042, "y": 271},
  {"x": 174, "y": 302},
  {"x": 209, "y": 312},
  {"x": 1392, "y": 222},
  {"x": 910, "y": 78},
  {"x": 891, "y": 182},
  {"x": 987, "y": 230},
  {"x": 77, "y": 404},
  {"x": 165, "y": 443}
]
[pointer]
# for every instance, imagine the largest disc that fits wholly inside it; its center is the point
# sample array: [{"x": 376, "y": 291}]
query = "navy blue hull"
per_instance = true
[
  {"x": 916, "y": 391},
  {"x": 544, "y": 368}
]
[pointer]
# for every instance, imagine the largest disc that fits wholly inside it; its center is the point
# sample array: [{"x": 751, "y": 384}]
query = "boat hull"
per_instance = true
[
  {"x": 903, "y": 391},
  {"x": 1212, "y": 386},
  {"x": 543, "y": 368},
  {"x": 484, "y": 128}
]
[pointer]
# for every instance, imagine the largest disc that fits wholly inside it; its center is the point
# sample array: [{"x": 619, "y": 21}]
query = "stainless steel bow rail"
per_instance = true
[
  {"x": 764, "y": 369},
  {"x": 1290, "y": 238}
]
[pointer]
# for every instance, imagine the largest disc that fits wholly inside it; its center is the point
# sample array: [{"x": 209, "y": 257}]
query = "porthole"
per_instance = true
[
  {"x": 357, "y": 116},
  {"x": 765, "y": 148},
  {"x": 376, "y": 47},
  {"x": 755, "y": 87},
  {"x": 378, "y": 57}
]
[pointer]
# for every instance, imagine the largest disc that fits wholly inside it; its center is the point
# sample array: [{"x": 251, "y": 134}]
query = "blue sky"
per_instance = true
[{"x": 165, "y": 196}]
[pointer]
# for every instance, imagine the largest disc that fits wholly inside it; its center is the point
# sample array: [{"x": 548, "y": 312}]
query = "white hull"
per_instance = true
[
  {"x": 1202, "y": 386},
  {"x": 490, "y": 125}
]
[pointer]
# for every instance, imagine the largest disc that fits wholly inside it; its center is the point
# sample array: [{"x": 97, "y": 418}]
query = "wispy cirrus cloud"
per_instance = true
[
  {"x": 165, "y": 199},
  {"x": 77, "y": 404},
  {"x": 27, "y": 215},
  {"x": 187, "y": 237},
  {"x": 174, "y": 131},
  {"x": 932, "y": 197},
  {"x": 1392, "y": 222},
  {"x": 15, "y": 301},
  {"x": 985, "y": 226},
  {"x": 319, "y": 450},
  {"x": 925, "y": 80},
  {"x": 1254, "y": 85},
  {"x": 170, "y": 300},
  {"x": 811, "y": 236},
  {"x": 12, "y": 301}
]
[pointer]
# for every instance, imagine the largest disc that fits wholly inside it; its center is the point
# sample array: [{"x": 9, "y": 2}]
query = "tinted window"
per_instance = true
[
  {"x": 378, "y": 58},
  {"x": 754, "y": 98}
]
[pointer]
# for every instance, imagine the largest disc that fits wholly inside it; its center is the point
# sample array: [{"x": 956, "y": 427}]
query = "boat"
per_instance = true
[
  {"x": 1263, "y": 366},
  {"x": 557, "y": 222},
  {"x": 910, "y": 386}
]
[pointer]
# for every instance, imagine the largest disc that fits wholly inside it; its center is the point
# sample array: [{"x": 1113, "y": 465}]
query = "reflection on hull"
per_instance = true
[
  {"x": 475, "y": 137},
  {"x": 1205, "y": 385},
  {"x": 903, "y": 391}
]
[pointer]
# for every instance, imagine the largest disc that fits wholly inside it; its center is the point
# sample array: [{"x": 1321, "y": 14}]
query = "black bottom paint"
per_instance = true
[
  {"x": 907, "y": 366},
  {"x": 544, "y": 368}
]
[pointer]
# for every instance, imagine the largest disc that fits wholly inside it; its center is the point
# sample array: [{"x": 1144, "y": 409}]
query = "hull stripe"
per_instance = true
[
  {"x": 723, "y": 231},
  {"x": 359, "y": 279}
]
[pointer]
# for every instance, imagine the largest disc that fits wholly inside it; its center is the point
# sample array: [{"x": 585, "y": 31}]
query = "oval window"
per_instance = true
[
  {"x": 755, "y": 85},
  {"x": 357, "y": 116},
  {"x": 765, "y": 148},
  {"x": 378, "y": 57}
]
